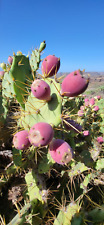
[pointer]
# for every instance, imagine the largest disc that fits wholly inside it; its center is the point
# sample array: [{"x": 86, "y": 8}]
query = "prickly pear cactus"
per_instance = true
[{"x": 61, "y": 165}]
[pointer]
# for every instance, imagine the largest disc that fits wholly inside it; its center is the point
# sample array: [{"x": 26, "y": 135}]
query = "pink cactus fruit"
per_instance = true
[
  {"x": 20, "y": 140},
  {"x": 100, "y": 140},
  {"x": 1, "y": 74},
  {"x": 60, "y": 151},
  {"x": 98, "y": 97},
  {"x": 80, "y": 112},
  {"x": 50, "y": 65},
  {"x": 86, "y": 104},
  {"x": 41, "y": 134},
  {"x": 72, "y": 125},
  {"x": 10, "y": 59},
  {"x": 86, "y": 133},
  {"x": 82, "y": 107},
  {"x": 74, "y": 84},
  {"x": 92, "y": 102},
  {"x": 41, "y": 90},
  {"x": 86, "y": 100},
  {"x": 96, "y": 108}
]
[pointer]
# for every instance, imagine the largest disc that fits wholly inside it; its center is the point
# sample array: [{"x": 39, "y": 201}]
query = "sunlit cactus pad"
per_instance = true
[
  {"x": 101, "y": 111},
  {"x": 66, "y": 213},
  {"x": 16, "y": 81},
  {"x": 7, "y": 86},
  {"x": 40, "y": 111}
]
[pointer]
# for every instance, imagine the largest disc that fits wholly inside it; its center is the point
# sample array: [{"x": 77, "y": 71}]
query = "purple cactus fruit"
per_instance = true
[
  {"x": 60, "y": 151},
  {"x": 10, "y": 59},
  {"x": 92, "y": 102},
  {"x": 50, "y": 65},
  {"x": 100, "y": 140},
  {"x": 72, "y": 125},
  {"x": 20, "y": 140},
  {"x": 41, "y": 134},
  {"x": 41, "y": 90},
  {"x": 86, "y": 133},
  {"x": 1, "y": 74},
  {"x": 96, "y": 108},
  {"x": 74, "y": 84}
]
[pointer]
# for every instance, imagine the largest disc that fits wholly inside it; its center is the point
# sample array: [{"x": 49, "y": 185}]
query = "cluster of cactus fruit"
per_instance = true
[{"x": 57, "y": 143}]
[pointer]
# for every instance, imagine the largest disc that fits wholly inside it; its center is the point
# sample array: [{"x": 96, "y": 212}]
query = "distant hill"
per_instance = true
[{"x": 95, "y": 74}]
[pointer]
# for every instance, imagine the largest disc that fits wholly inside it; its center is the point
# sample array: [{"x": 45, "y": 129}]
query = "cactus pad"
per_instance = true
[{"x": 40, "y": 111}]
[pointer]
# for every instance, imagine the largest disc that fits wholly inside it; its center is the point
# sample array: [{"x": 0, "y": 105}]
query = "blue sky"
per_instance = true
[{"x": 73, "y": 30}]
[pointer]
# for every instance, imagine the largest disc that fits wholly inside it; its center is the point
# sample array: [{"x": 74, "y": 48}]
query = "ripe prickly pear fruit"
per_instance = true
[
  {"x": 60, "y": 151},
  {"x": 41, "y": 134},
  {"x": 20, "y": 140},
  {"x": 98, "y": 97},
  {"x": 96, "y": 108},
  {"x": 50, "y": 65},
  {"x": 100, "y": 140},
  {"x": 74, "y": 84},
  {"x": 80, "y": 112},
  {"x": 86, "y": 133},
  {"x": 86, "y": 100},
  {"x": 10, "y": 59},
  {"x": 41, "y": 90},
  {"x": 92, "y": 102},
  {"x": 1, "y": 74}
]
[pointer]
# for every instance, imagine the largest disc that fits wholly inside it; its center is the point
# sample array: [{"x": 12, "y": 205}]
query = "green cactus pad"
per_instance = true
[
  {"x": 86, "y": 181},
  {"x": 77, "y": 169},
  {"x": 35, "y": 59},
  {"x": 35, "y": 184},
  {"x": 21, "y": 218},
  {"x": 77, "y": 219},
  {"x": 100, "y": 103},
  {"x": 100, "y": 164},
  {"x": 65, "y": 215},
  {"x": 45, "y": 164},
  {"x": 7, "y": 86},
  {"x": 17, "y": 157},
  {"x": 40, "y": 111},
  {"x": 97, "y": 215},
  {"x": 21, "y": 77},
  {"x": 1, "y": 110}
]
